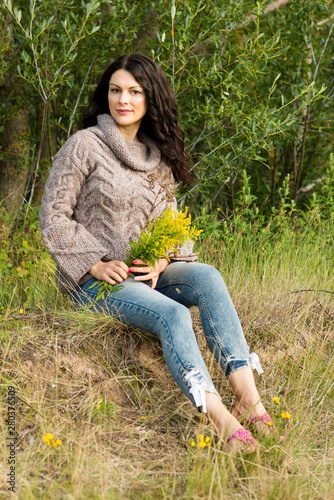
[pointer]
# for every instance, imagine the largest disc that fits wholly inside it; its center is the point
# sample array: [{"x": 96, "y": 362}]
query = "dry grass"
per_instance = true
[{"x": 137, "y": 445}]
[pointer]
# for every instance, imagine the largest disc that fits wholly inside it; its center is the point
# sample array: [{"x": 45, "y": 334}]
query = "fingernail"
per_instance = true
[
  {"x": 129, "y": 270},
  {"x": 134, "y": 262}
]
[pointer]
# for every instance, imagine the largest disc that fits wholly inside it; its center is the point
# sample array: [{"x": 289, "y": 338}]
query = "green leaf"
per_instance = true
[{"x": 17, "y": 14}]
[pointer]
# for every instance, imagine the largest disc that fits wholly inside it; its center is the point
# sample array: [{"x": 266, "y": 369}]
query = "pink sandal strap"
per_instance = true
[
  {"x": 243, "y": 435},
  {"x": 266, "y": 419}
]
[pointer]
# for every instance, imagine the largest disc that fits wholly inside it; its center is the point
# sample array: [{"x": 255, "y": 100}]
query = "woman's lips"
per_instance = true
[{"x": 123, "y": 111}]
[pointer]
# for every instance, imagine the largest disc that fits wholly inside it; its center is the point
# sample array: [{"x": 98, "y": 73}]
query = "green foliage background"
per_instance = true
[{"x": 254, "y": 87}]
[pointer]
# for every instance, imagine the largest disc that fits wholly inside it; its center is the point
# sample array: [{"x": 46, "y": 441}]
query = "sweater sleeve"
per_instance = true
[{"x": 71, "y": 246}]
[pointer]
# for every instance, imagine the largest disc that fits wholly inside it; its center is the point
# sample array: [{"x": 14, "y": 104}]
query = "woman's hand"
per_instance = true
[
  {"x": 153, "y": 274},
  {"x": 110, "y": 271}
]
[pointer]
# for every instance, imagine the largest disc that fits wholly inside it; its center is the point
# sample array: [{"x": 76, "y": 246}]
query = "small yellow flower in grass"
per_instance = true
[
  {"x": 202, "y": 444},
  {"x": 276, "y": 401},
  {"x": 201, "y": 437},
  {"x": 193, "y": 443},
  {"x": 285, "y": 414},
  {"x": 21, "y": 311},
  {"x": 98, "y": 406},
  {"x": 47, "y": 438},
  {"x": 207, "y": 439},
  {"x": 38, "y": 451},
  {"x": 270, "y": 424}
]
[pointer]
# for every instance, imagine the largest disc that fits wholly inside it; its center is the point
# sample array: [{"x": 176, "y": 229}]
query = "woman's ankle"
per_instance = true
[
  {"x": 249, "y": 407},
  {"x": 224, "y": 422}
]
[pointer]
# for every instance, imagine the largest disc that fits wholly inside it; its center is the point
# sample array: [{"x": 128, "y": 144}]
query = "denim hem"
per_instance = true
[{"x": 237, "y": 367}]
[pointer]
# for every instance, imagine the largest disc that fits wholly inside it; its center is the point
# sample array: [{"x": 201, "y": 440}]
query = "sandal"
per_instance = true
[
  {"x": 243, "y": 435},
  {"x": 265, "y": 418}
]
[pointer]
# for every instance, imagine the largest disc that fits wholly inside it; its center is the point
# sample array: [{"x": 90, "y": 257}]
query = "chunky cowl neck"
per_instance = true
[{"x": 142, "y": 156}]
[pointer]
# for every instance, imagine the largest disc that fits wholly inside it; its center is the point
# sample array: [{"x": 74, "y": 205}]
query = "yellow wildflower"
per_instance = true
[
  {"x": 276, "y": 401},
  {"x": 192, "y": 443},
  {"x": 58, "y": 442},
  {"x": 47, "y": 438},
  {"x": 207, "y": 439},
  {"x": 201, "y": 437},
  {"x": 38, "y": 451},
  {"x": 21, "y": 311},
  {"x": 285, "y": 414},
  {"x": 202, "y": 444},
  {"x": 98, "y": 406}
]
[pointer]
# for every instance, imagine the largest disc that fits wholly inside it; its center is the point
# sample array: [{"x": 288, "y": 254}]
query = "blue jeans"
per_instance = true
[{"x": 165, "y": 313}]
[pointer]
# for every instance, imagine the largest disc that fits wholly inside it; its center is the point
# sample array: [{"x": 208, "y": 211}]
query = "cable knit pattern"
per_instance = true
[{"x": 99, "y": 194}]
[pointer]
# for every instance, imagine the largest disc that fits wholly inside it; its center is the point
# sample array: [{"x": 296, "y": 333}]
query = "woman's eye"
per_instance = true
[
  {"x": 136, "y": 92},
  {"x": 114, "y": 91}
]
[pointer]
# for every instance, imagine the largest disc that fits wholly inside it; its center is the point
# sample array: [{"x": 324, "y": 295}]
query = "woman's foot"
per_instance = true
[
  {"x": 255, "y": 413},
  {"x": 228, "y": 427},
  {"x": 248, "y": 406},
  {"x": 245, "y": 437}
]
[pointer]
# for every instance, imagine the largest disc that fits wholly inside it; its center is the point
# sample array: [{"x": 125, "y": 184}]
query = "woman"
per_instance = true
[{"x": 106, "y": 182}]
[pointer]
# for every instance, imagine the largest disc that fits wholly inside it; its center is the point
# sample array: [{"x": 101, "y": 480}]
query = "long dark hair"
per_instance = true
[{"x": 161, "y": 119}]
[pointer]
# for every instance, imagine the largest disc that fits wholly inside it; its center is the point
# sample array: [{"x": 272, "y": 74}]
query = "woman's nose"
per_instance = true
[{"x": 124, "y": 97}]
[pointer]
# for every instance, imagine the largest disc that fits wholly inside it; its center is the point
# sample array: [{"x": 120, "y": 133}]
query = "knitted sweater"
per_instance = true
[{"x": 100, "y": 192}]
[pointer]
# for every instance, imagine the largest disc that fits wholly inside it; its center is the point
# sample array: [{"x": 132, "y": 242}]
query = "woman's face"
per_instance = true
[{"x": 127, "y": 102}]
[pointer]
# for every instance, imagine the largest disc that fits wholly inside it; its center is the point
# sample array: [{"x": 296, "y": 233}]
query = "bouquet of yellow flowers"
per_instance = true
[{"x": 170, "y": 230}]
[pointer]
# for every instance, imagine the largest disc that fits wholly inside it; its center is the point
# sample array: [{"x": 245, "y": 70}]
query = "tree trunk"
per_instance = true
[{"x": 14, "y": 162}]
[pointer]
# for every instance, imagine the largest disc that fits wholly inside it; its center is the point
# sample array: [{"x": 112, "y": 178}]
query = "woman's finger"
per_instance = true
[
  {"x": 141, "y": 269},
  {"x": 154, "y": 282},
  {"x": 121, "y": 264},
  {"x": 138, "y": 261},
  {"x": 146, "y": 276},
  {"x": 109, "y": 280},
  {"x": 112, "y": 277},
  {"x": 121, "y": 272}
]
